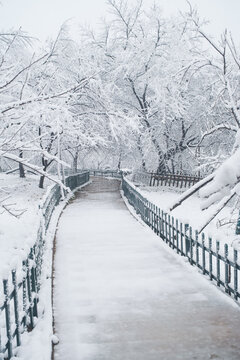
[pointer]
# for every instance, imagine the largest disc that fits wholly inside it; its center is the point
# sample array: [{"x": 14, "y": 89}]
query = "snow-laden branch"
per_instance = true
[
  {"x": 46, "y": 155},
  {"x": 22, "y": 71},
  {"x": 191, "y": 191},
  {"x": 15, "y": 105},
  {"x": 35, "y": 168},
  {"x": 226, "y": 176},
  {"x": 216, "y": 128},
  {"x": 219, "y": 208},
  {"x": 221, "y": 186}
]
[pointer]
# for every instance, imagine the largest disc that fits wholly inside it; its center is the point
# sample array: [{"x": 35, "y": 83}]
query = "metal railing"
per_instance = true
[
  {"x": 175, "y": 180},
  {"x": 106, "y": 173},
  {"x": 217, "y": 261},
  {"x": 142, "y": 177},
  {"x": 19, "y": 307}
]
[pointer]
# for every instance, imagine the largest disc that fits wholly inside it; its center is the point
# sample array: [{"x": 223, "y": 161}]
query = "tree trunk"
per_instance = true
[
  {"x": 162, "y": 167},
  {"x": 173, "y": 166},
  {"x": 41, "y": 181},
  {"x": 42, "y": 177},
  {"x": 119, "y": 163},
  {"x": 141, "y": 153},
  {"x": 75, "y": 162},
  {"x": 21, "y": 167}
]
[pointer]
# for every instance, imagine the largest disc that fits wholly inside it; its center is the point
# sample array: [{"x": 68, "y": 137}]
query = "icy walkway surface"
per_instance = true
[{"x": 121, "y": 294}]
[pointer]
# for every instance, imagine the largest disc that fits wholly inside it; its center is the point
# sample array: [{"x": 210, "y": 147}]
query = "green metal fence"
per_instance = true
[
  {"x": 106, "y": 173},
  {"x": 219, "y": 263},
  {"x": 19, "y": 309},
  {"x": 173, "y": 180}
]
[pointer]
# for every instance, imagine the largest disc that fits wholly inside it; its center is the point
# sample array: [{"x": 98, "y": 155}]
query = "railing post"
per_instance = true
[
  {"x": 210, "y": 258},
  {"x": 173, "y": 233},
  {"x": 191, "y": 245},
  {"x": 226, "y": 282},
  {"x": 24, "y": 268},
  {"x": 177, "y": 236},
  {"x": 16, "y": 309},
  {"x": 34, "y": 286},
  {"x": 159, "y": 222},
  {"x": 235, "y": 258},
  {"x": 8, "y": 318},
  {"x": 187, "y": 242},
  {"x": 218, "y": 262},
  {"x": 197, "y": 248},
  {"x": 203, "y": 255},
  {"x": 161, "y": 225},
  {"x": 29, "y": 291},
  {"x": 150, "y": 216},
  {"x": 169, "y": 231},
  {"x": 166, "y": 227},
  {"x": 155, "y": 219},
  {"x": 181, "y": 238}
]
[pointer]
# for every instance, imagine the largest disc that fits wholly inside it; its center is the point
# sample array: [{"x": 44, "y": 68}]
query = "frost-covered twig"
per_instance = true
[
  {"x": 17, "y": 104},
  {"x": 17, "y": 213},
  {"x": 220, "y": 206},
  {"x": 223, "y": 126}
]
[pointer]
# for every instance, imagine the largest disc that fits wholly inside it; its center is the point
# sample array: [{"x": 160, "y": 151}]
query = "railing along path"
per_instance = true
[
  {"x": 219, "y": 263},
  {"x": 21, "y": 286},
  {"x": 172, "y": 180},
  {"x": 175, "y": 180},
  {"x": 215, "y": 260}
]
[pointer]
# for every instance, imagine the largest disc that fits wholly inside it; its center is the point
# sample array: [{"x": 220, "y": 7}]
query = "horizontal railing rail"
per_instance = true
[
  {"x": 19, "y": 307},
  {"x": 219, "y": 262},
  {"x": 106, "y": 173}
]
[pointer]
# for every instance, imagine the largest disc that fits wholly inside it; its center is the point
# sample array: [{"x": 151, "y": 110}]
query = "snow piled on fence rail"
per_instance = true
[
  {"x": 190, "y": 213},
  {"x": 17, "y": 235},
  {"x": 38, "y": 343}
]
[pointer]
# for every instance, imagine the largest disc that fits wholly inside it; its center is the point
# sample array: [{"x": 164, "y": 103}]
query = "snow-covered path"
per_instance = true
[{"x": 121, "y": 294}]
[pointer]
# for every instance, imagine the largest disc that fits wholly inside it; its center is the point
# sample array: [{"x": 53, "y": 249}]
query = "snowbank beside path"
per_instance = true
[
  {"x": 190, "y": 213},
  {"x": 18, "y": 234},
  {"x": 38, "y": 343}
]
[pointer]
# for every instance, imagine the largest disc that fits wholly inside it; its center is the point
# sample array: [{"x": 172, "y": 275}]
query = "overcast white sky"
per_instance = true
[{"x": 42, "y": 18}]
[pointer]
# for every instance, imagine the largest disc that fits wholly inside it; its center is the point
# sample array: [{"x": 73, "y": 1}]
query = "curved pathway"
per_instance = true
[{"x": 121, "y": 294}]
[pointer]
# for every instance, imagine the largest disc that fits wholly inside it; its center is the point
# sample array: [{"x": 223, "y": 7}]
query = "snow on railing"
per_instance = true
[
  {"x": 218, "y": 262},
  {"x": 106, "y": 173},
  {"x": 19, "y": 309}
]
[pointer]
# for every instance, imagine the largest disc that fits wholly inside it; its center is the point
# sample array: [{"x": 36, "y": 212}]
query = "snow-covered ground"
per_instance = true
[
  {"x": 190, "y": 213},
  {"x": 17, "y": 235},
  {"x": 19, "y": 223},
  {"x": 121, "y": 293},
  {"x": 38, "y": 343}
]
